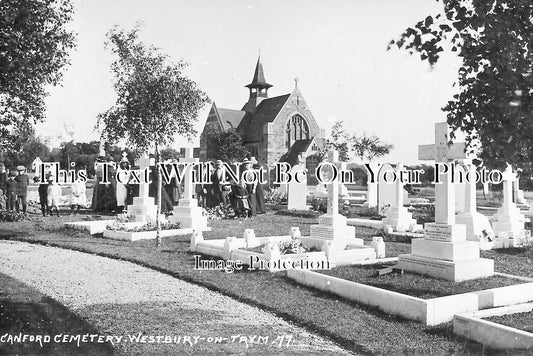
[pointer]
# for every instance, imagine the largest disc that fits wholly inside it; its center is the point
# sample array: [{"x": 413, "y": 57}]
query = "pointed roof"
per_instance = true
[{"x": 259, "y": 77}]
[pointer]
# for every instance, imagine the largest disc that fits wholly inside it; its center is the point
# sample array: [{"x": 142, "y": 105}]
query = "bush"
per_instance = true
[
  {"x": 11, "y": 215},
  {"x": 117, "y": 226}
]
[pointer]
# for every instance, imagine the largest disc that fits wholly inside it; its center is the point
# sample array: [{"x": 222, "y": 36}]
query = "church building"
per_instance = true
[{"x": 273, "y": 129}]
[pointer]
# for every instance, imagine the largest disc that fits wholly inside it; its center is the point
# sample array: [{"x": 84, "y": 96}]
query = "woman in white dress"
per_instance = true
[{"x": 78, "y": 197}]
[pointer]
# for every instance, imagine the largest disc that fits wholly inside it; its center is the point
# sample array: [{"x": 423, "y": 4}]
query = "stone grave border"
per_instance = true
[
  {"x": 430, "y": 312},
  {"x": 145, "y": 235},
  {"x": 472, "y": 326},
  {"x": 232, "y": 248},
  {"x": 91, "y": 226}
]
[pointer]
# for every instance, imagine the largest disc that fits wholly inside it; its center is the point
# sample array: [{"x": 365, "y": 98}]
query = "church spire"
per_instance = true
[
  {"x": 258, "y": 87},
  {"x": 259, "y": 81}
]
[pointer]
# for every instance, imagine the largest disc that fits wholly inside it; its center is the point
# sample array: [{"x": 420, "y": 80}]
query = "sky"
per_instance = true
[{"x": 336, "y": 48}]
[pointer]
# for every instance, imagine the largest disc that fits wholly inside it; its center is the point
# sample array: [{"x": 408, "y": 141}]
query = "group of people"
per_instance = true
[
  {"x": 245, "y": 196},
  {"x": 13, "y": 188},
  {"x": 14, "y": 191}
]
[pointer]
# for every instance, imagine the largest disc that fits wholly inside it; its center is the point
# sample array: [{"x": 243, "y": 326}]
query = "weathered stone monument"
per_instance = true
[
  {"x": 143, "y": 208},
  {"x": 397, "y": 216},
  {"x": 509, "y": 222},
  {"x": 297, "y": 191},
  {"x": 188, "y": 213},
  {"x": 372, "y": 189},
  {"x": 386, "y": 190},
  {"x": 332, "y": 225},
  {"x": 478, "y": 227},
  {"x": 444, "y": 251}
]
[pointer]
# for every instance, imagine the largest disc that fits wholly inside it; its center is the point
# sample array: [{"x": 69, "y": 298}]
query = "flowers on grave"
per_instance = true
[
  {"x": 122, "y": 218},
  {"x": 117, "y": 226},
  {"x": 293, "y": 246},
  {"x": 276, "y": 197},
  {"x": 321, "y": 205},
  {"x": 219, "y": 212},
  {"x": 11, "y": 216}
]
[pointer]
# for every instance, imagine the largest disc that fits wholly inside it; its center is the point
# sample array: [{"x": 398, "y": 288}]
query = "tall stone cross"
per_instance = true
[
  {"x": 144, "y": 162},
  {"x": 442, "y": 152},
  {"x": 187, "y": 183},
  {"x": 333, "y": 187},
  {"x": 508, "y": 178},
  {"x": 398, "y": 188}
]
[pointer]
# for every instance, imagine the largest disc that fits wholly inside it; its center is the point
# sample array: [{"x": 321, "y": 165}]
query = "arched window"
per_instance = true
[{"x": 297, "y": 129}]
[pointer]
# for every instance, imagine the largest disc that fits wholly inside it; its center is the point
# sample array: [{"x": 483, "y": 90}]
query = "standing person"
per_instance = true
[
  {"x": 122, "y": 188},
  {"x": 3, "y": 182},
  {"x": 54, "y": 194},
  {"x": 11, "y": 191},
  {"x": 259, "y": 194},
  {"x": 240, "y": 201},
  {"x": 250, "y": 187},
  {"x": 219, "y": 185},
  {"x": 77, "y": 196},
  {"x": 43, "y": 195},
  {"x": 22, "y": 188}
]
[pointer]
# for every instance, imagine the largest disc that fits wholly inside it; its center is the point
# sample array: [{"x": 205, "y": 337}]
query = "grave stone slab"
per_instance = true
[
  {"x": 508, "y": 221},
  {"x": 386, "y": 190},
  {"x": 143, "y": 208},
  {"x": 444, "y": 251},
  {"x": 297, "y": 191},
  {"x": 187, "y": 213},
  {"x": 397, "y": 216},
  {"x": 478, "y": 227}
]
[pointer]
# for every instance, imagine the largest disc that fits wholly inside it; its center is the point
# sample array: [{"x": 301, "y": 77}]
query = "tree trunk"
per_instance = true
[{"x": 159, "y": 187}]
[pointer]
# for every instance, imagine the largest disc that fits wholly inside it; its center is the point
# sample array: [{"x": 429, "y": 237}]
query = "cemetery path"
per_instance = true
[{"x": 123, "y": 299}]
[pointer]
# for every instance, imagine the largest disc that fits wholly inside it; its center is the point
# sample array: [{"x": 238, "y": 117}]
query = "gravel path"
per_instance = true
[{"x": 123, "y": 299}]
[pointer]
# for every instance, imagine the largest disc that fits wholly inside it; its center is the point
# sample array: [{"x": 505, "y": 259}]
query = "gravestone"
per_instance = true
[
  {"x": 444, "y": 251},
  {"x": 143, "y": 208},
  {"x": 297, "y": 192},
  {"x": 372, "y": 189},
  {"x": 509, "y": 222},
  {"x": 386, "y": 190},
  {"x": 332, "y": 225},
  {"x": 460, "y": 190},
  {"x": 519, "y": 198},
  {"x": 187, "y": 213},
  {"x": 478, "y": 227},
  {"x": 36, "y": 166},
  {"x": 397, "y": 216}
]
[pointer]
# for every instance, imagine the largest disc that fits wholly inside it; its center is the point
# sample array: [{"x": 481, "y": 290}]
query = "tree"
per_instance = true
[
  {"x": 493, "y": 105},
  {"x": 34, "y": 49},
  {"x": 368, "y": 147},
  {"x": 226, "y": 146},
  {"x": 29, "y": 147},
  {"x": 338, "y": 141},
  {"x": 155, "y": 99}
]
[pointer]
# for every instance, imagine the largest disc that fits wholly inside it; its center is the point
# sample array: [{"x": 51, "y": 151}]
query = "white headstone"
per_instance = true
[
  {"x": 372, "y": 189},
  {"x": 509, "y": 223},
  {"x": 386, "y": 190},
  {"x": 297, "y": 192},
  {"x": 188, "y": 214},
  {"x": 444, "y": 251},
  {"x": 143, "y": 208},
  {"x": 397, "y": 215}
]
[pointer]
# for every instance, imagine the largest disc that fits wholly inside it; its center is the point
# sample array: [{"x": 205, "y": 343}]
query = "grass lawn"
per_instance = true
[
  {"x": 25, "y": 310},
  {"x": 521, "y": 321},
  {"x": 358, "y": 328},
  {"x": 414, "y": 284}
]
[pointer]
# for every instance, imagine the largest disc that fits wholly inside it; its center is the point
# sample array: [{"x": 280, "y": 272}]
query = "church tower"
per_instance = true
[{"x": 258, "y": 88}]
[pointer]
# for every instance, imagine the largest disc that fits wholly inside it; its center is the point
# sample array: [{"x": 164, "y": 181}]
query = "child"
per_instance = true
[
  {"x": 241, "y": 204},
  {"x": 11, "y": 191},
  {"x": 43, "y": 195},
  {"x": 22, "y": 188},
  {"x": 77, "y": 196},
  {"x": 54, "y": 194}
]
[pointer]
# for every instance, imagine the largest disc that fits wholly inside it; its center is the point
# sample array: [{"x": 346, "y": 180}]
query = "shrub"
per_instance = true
[{"x": 11, "y": 215}]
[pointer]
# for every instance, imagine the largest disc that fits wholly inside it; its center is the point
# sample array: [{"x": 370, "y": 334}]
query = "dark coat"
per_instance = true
[
  {"x": 11, "y": 186},
  {"x": 22, "y": 184},
  {"x": 3, "y": 180}
]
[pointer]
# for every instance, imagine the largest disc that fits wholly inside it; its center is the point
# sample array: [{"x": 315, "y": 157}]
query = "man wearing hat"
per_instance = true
[{"x": 22, "y": 188}]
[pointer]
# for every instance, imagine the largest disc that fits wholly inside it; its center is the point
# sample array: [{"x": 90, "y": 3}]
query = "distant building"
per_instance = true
[{"x": 273, "y": 129}]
